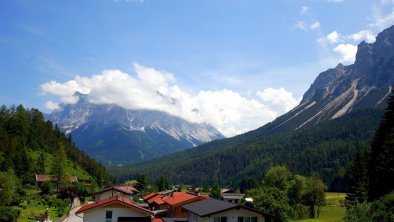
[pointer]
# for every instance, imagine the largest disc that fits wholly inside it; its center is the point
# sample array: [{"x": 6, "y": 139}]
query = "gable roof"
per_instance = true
[
  {"x": 209, "y": 206},
  {"x": 104, "y": 202},
  {"x": 116, "y": 188},
  {"x": 234, "y": 196},
  {"x": 179, "y": 197},
  {"x": 154, "y": 199}
]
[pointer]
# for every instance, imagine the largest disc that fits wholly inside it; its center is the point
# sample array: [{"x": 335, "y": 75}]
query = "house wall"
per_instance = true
[
  {"x": 111, "y": 193},
  {"x": 98, "y": 214},
  {"x": 232, "y": 216}
]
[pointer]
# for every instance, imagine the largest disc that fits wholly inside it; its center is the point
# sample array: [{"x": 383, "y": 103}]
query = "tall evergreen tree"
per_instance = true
[
  {"x": 358, "y": 180},
  {"x": 381, "y": 164}
]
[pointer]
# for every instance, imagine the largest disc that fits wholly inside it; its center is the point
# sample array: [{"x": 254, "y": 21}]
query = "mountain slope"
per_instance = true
[
  {"x": 337, "y": 116},
  {"x": 114, "y": 135}
]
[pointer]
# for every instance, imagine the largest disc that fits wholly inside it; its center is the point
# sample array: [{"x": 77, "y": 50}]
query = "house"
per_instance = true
[
  {"x": 233, "y": 197},
  {"x": 122, "y": 191},
  {"x": 177, "y": 200},
  {"x": 213, "y": 210},
  {"x": 115, "y": 209},
  {"x": 40, "y": 178}
]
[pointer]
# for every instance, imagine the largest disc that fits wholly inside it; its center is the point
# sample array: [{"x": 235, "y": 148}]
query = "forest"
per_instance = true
[
  {"x": 29, "y": 145},
  {"x": 326, "y": 149}
]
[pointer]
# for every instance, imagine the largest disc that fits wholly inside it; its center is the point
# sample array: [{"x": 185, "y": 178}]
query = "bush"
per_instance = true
[
  {"x": 9, "y": 214},
  {"x": 359, "y": 212},
  {"x": 383, "y": 209}
]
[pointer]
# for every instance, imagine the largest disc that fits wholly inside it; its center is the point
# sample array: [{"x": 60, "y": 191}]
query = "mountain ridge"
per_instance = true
[{"x": 115, "y": 135}]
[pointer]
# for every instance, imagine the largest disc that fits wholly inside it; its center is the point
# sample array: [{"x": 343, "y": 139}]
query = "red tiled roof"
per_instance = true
[
  {"x": 159, "y": 201},
  {"x": 148, "y": 196},
  {"x": 109, "y": 200},
  {"x": 151, "y": 200},
  {"x": 180, "y": 197}
]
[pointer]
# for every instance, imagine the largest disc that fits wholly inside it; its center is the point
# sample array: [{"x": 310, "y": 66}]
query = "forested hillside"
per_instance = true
[
  {"x": 326, "y": 149},
  {"x": 29, "y": 146}
]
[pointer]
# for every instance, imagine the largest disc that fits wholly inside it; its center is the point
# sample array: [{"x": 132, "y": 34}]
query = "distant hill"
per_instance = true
[
  {"x": 336, "y": 117},
  {"x": 114, "y": 135}
]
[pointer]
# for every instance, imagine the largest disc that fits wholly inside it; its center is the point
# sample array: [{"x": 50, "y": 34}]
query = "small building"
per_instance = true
[
  {"x": 115, "y": 209},
  {"x": 115, "y": 191},
  {"x": 233, "y": 197},
  {"x": 40, "y": 178},
  {"x": 213, "y": 210}
]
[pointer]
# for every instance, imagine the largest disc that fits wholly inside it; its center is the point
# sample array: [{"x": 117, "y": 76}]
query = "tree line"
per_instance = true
[{"x": 370, "y": 194}]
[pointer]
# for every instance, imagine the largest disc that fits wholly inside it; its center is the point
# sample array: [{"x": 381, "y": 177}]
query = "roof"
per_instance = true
[
  {"x": 154, "y": 198},
  {"x": 148, "y": 196},
  {"x": 179, "y": 197},
  {"x": 117, "y": 188},
  {"x": 46, "y": 177},
  {"x": 236, "y": 196},
  {"x": 158, "y": 201},
  {"x": 110, "y": 200},
  {"x": 128, "y": 187},
  {"x": 209, "y": 206},
  {"x": 157, "y": 220}
]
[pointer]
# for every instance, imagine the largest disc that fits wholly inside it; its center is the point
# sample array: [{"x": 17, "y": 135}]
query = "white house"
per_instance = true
[
  {"x": 212, "y": 210},
  {"x": 115, "y": 209}
]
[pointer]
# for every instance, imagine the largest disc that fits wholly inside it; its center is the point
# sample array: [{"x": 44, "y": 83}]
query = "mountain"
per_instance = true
[
  {"x": 114, "y": 135},
  {"x": 337, "y": 117}
]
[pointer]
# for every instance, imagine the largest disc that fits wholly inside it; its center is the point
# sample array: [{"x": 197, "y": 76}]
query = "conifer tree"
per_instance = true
[{"x": 381, "y": 164}]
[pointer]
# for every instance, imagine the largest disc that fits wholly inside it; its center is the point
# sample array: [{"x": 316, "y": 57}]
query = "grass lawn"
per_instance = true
[
  {"x": 329, "y": 214},
  {"x": 36, "y": 211},
  {"x": 333, "y": 211}
]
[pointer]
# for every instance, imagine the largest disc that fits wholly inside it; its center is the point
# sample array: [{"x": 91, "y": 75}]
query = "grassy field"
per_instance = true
[
  {"x": 334, "y": 211},
  {"x": 36, "y": 211}
]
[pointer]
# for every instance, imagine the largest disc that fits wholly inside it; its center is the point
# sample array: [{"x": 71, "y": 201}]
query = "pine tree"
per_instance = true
[
  {"x": 381, "y": 165},
  {"x": 358, "y": 180}
]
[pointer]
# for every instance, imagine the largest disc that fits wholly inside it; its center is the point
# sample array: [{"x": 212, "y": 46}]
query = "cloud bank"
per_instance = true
[{"x": 148, "y": 88}]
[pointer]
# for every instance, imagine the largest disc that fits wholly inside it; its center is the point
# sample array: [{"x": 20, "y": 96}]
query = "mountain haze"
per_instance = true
[
  {"x": 337, "y": 116},
  {"x": 114, "y": 135}
]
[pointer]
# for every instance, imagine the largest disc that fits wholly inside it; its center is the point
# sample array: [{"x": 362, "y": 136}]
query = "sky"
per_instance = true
[{"x": 234, "y": 64}]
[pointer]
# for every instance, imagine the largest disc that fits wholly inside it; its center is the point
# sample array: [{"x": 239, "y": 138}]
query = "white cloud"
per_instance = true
[
  {"x": 279, "y": 100},
  {"x": 51, "y": 105},
  {"x": 336, "y": 1},
  {"x": 228, "y": 111},
  {"x": 366, "y": 35},
  {"x": 347, "y": 52},
  {"x": 315, "y": 26},
  {"x": 333, "y": 37}
]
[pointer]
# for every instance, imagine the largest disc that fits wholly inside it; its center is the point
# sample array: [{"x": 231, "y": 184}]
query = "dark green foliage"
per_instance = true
[
  {"x": 381, "y": 163},
  {"x": 9, "y": 214},
  {"x": 24, "y": 132},
  {"x": 272, "y": 200},
  {"x": 358, "y": 180},
  {"x": 142, "y": 183},
  {"x": 381, "y": 210},
  {"x": 216, "y": 191},
  {"x": 8, "y": 186},
  {"x": 247, "y": 184},
  {"x": 287, "y": 195},
  {"x": 162, "y": 184},
  {"x": 326, "y": 148}
]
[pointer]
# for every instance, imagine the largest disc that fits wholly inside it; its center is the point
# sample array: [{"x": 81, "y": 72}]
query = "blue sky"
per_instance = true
[{"x": 240, "y": 63}]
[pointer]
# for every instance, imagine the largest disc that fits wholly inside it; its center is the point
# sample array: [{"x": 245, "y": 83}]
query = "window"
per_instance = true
[
  {"x": 108, "y": 216},
  {"x": 220, "y": 219},
  {"x": 247, "y": 219}
]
